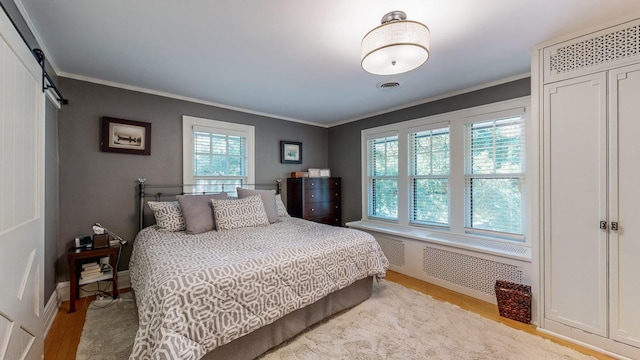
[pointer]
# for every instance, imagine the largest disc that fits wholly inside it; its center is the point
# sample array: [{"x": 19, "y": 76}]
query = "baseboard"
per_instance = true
[
  {"x": 63, "y": 289},
  {"x": 50, "y": 311}
]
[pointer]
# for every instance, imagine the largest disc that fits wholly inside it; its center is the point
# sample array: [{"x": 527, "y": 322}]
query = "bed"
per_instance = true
[{"x": 234, "y": 293}]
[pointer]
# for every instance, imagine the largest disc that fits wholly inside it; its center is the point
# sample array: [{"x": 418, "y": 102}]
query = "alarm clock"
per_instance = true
[{"x": 84, "y": 241}]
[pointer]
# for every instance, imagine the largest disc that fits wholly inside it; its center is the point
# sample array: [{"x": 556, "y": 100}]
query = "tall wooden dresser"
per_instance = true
[{"x": 315, "y": 199}]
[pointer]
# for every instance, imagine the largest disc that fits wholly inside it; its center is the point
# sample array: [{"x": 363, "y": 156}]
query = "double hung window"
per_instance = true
[
  {"x": 217, "y": 156},
  {"x": 494, "y": 175},
  {"x": 461, "y": 173},
  {"x": 429, "y": 176},
  {"x": 383, "y": 176}
]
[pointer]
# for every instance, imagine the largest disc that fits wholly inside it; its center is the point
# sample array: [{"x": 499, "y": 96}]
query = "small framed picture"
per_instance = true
[
  {"x": 314, "y": 172},
  {"x": 325, "y": 173},
  {"x": 125, "y": 136},
  {"x": 290, "y": 152}
]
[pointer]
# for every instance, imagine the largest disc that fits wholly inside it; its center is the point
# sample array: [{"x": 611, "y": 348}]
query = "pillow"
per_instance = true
[
  {"x": 197, "y": 212},
  {"x": 268, "y": 199},
  {"x": 233, "y": 214},
  {"x": 282, "y": 210},
  {"x": 168, "y": 215}
]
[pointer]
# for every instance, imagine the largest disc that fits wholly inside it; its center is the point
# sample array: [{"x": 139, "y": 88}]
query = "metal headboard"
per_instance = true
[{"x": 167, "y": 192}]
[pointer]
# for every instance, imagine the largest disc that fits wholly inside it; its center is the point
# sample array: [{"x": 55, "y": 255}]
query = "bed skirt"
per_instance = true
[{"x": 259, "y": 341}]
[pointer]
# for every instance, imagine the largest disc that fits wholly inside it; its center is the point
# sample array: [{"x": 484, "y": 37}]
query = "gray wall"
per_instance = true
[
  {"x": 51, "y": 202},
  {"x": 344, "y": 140},
  {"x": 100, "y": 187}
]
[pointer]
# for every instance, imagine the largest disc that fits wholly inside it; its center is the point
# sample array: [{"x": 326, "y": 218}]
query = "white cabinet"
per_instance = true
[
  {"x": 589, "y": 100},
  {"x": 624, "y": 204},
  {"x": 575, "y": 149}
]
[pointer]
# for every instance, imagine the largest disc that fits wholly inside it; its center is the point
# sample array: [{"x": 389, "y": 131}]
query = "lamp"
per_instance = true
[
  {"x": 398, "y": 45},
  {"x": 115, "y": 236}
]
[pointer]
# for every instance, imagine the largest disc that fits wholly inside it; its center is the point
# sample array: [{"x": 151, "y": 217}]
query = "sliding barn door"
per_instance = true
[{"x": 21, "y": 199}]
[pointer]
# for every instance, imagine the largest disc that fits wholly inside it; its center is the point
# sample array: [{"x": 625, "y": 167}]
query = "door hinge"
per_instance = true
[
  {"x": 614, "y": 226},
  {"x": 603, "y": 225}
]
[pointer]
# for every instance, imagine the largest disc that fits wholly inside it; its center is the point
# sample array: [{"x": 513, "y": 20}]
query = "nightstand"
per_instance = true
[{"x": 79, "y": 256}]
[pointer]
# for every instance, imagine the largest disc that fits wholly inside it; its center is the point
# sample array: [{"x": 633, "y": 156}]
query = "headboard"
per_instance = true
[{"x": 168, "y": 192}]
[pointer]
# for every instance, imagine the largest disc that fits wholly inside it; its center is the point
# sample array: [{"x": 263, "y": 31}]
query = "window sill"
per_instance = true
[{"x": 483, "y": 245}]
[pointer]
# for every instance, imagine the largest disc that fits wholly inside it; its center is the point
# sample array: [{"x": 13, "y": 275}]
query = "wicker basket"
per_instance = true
[{"x": 514, "y": 300}]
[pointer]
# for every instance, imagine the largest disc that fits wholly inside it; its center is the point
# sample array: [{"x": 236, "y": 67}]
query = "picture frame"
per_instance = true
[
  {"x": 290, "y": 152},
  {"x": 325, "y": 173},
  {"x": 313, "y": 172},
  {"x": 125, "y": 136}
]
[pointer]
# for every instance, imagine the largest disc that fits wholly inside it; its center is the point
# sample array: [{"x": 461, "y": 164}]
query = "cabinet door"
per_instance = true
[
  {"x": 575, "y": 196},
  {"x": 624, "y": 107}
]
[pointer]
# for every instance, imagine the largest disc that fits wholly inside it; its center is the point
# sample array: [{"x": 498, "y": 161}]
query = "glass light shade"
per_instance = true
[{"x": 395, "y": 47}]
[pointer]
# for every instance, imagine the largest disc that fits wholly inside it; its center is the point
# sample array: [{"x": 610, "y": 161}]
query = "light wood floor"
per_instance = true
[{"x": 63, "y": 338}]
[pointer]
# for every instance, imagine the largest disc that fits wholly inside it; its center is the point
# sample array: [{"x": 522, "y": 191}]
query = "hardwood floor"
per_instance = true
[{"x": 63, "y": 338}]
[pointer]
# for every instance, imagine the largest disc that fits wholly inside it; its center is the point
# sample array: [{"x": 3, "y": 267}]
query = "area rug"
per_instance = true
[{"x": 395, "y": 323}]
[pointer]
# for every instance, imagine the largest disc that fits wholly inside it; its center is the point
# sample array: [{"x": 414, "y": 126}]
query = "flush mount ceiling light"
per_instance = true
[{"x": 398, "y": 45}]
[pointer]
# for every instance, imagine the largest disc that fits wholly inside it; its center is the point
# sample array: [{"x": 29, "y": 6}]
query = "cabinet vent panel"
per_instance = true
[
  {"x": 393, "y": 249},
  {"x": 468, "y": 271},
  {"x": 603, "y": 48}
]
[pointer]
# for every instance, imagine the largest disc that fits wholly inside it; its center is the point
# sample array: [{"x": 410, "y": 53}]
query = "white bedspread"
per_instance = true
[{"x": 197, "y": 292}]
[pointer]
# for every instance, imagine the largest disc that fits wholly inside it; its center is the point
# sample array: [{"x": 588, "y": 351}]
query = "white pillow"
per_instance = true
[
  {"x": 282, "y": 210},
  {"x": 168, "y": 215},
  {"x": 233, "y": 214}
]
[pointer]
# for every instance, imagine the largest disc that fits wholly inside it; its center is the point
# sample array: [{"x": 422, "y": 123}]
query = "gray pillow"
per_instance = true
[
  {"x": 198, "y": 213},
  {"x": 268, "y": 200}
]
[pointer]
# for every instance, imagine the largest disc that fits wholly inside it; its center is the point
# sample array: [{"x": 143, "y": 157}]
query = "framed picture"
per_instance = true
[
  {"x": 290, "y": 152},
  {"x": 314, "y": 172},
  {"x": 325, "y": 173},
  {"x": 125, "y": 136}
]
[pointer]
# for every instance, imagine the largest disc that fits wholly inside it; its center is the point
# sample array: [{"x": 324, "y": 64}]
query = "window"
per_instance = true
[
  {"x": 459, "y": 175},
  {"x": 429, "y": 176},
  {"x": 217, "y": 156},
  {"x": 383, "y": 177},
  {"x": 494, "y": 175}
]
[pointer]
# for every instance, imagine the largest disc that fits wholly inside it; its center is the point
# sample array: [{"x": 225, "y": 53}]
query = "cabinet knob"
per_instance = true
[
  {"x": 312, "y": 184},
  {"x": 313, "y": 209},
  {"x": 312, "y": 195}
]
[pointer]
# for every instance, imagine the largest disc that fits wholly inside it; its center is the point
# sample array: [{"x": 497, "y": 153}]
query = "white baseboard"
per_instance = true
[
  {"x": 50, "y": 311},
  {"x": 124, "y": 281}
]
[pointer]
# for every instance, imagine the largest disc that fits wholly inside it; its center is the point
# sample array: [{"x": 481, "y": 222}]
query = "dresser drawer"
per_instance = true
[
  {"x": 321, "y": 208},
  {"x": 331, "y": 219},
  {"x": 321, "y": 183},
  {"x": 322, "y": 195}
]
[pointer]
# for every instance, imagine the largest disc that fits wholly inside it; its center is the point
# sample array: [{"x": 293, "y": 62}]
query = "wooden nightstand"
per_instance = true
[{"x": 76, "y": 257}]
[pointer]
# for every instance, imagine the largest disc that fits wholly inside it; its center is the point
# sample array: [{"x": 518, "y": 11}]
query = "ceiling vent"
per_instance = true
[{"x": 388, "y": 85}]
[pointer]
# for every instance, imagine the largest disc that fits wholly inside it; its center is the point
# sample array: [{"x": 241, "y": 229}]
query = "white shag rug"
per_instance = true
[{"x": 395, "y": 323}]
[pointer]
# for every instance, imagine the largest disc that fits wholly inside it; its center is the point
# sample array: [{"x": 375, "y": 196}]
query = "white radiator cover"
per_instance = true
[{"x": 466, "y": 271}]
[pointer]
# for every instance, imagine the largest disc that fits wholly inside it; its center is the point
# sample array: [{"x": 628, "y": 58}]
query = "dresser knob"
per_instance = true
[
  {"x": 312, "y": 195},
  {"x": 313, "y": 209},
  {"x": 312, "y": 184}
]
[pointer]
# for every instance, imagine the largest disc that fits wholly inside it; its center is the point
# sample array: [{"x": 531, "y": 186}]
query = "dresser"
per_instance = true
[{"x": 315, "y": 199}]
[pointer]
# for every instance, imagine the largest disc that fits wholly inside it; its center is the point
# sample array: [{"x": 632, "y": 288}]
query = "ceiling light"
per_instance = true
[{"x": 398, "y": 45}]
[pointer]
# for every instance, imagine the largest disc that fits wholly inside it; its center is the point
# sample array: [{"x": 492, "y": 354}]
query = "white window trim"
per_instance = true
[
  {"x": 457, "y": 120},
  {"x": 222, "y": 127}
]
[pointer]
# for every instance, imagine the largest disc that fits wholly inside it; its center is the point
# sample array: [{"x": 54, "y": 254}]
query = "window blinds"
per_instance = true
[
  {"x": 494, "y": 175},
  {"x": 429, "y": 176},
  {"x": 382, "y": 169}
]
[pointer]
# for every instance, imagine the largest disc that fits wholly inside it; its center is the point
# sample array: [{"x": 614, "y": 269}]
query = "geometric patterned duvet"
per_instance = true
[{"x": 197, "y": 292}]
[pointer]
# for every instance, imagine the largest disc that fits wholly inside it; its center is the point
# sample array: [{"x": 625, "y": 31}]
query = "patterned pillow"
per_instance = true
[
  {"x": 282, "y": 210},
  {"x": 268, "y": 200},
  {"x": 168, "y": 215},
  {"x": 233, "y": 214}
]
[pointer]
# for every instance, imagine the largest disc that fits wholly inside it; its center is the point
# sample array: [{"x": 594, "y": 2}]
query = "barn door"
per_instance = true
[{"x": 21, "y": 199}]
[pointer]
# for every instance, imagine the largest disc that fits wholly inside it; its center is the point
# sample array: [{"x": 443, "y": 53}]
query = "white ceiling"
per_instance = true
[{"x": 298, "y": 59}]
